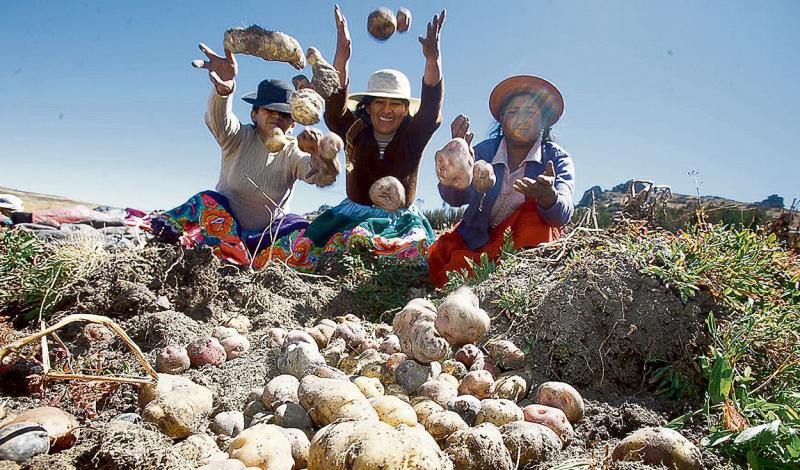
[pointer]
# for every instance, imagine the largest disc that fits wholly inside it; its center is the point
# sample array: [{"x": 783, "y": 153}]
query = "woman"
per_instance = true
[
  {"x": 249, "y": 208},
  {"x": 385, "y": 134},
  {"x": 535, "y": 179}
]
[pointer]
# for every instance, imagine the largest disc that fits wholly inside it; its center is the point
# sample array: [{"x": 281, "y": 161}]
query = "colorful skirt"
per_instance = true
[
  {"x": 207, "y": 219},
  {"x": 404, "y": 234},
  {"x": 450, "y": 251}
]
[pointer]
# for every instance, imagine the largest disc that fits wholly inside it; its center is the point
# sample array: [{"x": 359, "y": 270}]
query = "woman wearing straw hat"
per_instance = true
[
  {"x": 385, "y": 131},
  {"x": 535, "y": 179}
]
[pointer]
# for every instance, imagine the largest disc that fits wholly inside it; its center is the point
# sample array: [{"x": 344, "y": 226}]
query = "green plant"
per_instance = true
[{"x": 479, "y": 271}]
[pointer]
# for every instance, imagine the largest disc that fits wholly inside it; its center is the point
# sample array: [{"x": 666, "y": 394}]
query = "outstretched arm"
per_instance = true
[
  {"x": 344, "y": 47},
  {"x": 220, "y": 119},
  {"x": 432, "y": 51}
]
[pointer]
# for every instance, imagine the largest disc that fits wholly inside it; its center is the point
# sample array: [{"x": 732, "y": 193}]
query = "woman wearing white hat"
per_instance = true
[{"x": 385, "y": 131}]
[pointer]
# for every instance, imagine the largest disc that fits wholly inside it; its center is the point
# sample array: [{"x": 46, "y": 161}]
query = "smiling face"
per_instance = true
[
  {"x": 387, "y": 114},
  {"x": 524, "y": 117}
]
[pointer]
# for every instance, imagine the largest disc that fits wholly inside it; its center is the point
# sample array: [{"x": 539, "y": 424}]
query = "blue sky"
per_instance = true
[{"x": 100, "y": 102}]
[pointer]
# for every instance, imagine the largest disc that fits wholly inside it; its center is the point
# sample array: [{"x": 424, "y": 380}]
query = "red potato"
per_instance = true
[
  {"x": 235, "y": 346},
  {"x": 298, "y": 336},
  {"x": 381, "y": 24},
  {"x": 553, "y": 418},
  {"x": 562, "y": 396},
  {"x": 352, "y": 333},
  {"x": 403, "y": 19},
  {"x": 468, "y": 354},
  {"x": 454, "y": 164},
  {"x": 206, "y": 351},
  {"x": 388, "y": 194},
  {"x": 390, "y": 345}
]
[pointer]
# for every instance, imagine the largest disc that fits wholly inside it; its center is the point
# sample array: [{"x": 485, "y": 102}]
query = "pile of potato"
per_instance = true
[{"x": 225, "y": 343}]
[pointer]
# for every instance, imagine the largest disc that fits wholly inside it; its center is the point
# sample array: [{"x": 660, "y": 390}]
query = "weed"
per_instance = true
[{"x": 479, "y": 271}]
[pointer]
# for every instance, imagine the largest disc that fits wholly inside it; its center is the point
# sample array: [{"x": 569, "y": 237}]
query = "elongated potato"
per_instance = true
[
  {"x": 268, "y": 45},
  {"x": 328, "y": 400},
  {"x": 562, "y": 396},
  {"x": 263, "y": 446},
  {"x": 394, "y": 411},
  {"x": 459, "y": 320},
  {"x": 325, "y": 78},
  {"x": 659, "y": 446},
  {"x": 454, "y": 164}
]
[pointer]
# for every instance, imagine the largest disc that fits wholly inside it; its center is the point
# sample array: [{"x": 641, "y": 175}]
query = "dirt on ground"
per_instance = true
[{"x": 597, "y": 323}]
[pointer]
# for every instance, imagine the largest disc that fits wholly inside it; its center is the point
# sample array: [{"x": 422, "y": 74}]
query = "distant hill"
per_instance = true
[
  {"x": 680, "y": 208},
  {"x": 34, "y": 201}
]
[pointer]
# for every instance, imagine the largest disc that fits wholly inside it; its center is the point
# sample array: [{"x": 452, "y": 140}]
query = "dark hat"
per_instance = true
[{"x": 272, "y": 94}]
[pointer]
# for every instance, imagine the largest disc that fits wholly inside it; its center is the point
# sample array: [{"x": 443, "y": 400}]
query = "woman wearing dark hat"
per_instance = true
[
  {"x": 535, "y": 179},
  {"x": 385, "y": 131},
  {"x": 250, "y": 207}
]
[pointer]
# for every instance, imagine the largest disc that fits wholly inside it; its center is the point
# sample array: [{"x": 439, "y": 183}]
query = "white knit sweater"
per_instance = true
[{"x": 245, "y": 154}]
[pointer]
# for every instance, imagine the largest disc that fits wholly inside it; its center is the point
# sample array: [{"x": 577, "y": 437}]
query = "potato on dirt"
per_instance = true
[
  {"x": 62, "y": 428},
  {"x": 478, "y": 448},
  {"x": 235, "y": 346},
  {"x": 403, "y": 19},
  {"x": 381, "y": 23},
  {"x": 297, "y": 358},
  {"x": 394, "y": 411},
  {"x": 388, "y": 194},
  {"x": 483, "y": 177},
  {"x": 441, "y": 424},
  {"x": 300, "y": 446},
  {"x": 365, "y": 445},
  {"x": 460, "y": 320},
  {"x": 351, "y": 332},
  {"x": 172, "y": 360},
  {"x": 468, "y": 354},
  {"x": 415, "y": 327},
  {"x": 454, "y": 164},
  {"x": 206, "y": 351},
  {"x": 281, "y": 389},
  {"x": 478, "y": 383},
  {"x": 553, "y": 418},
  {"x": 529, "y": 442},
  {"x": 562, "y": 396},
  {"x": 319, "y": 337},
  {"x": 297, "y": 336},
  {"x": 439, "y": 391},
  {"x": 277, "y": 335},
  {"x": 498, "y": 411},
  {"x": 328, "y": 400},
  {"x": 510, "y": 387},
  {"x": 659, "y": 446},
  {"x": 268, "y": 45},
  {"x": 176, "y": 404},
  {"x": 263, "y": 446},
  {"x": 507, "y": 355}
]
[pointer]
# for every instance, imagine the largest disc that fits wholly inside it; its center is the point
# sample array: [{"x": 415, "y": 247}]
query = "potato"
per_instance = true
[
  {"x": 299, "y": 82},
  {"x": 510, "y": 387},
  {"x": 292, "y": 415},
  {"x": 276, "y": 140},
  {"x": 438, "y": 391},
  {"x": 553, "y": 418},
  {"x": 390, "y": 345},
  {"x": 454, "y": 164},
  {"x": 300, "y": 446},
  {"x": 226, "y": 464},
  {"x": 172, "y": 360},
  {"x": 264, "y": 446},
  {"x": 414, "y": 326},
  {"x": 369, "y": 386},
  {"x": 297, "y": 358},
  {"x": 659, "y": 446},
  {"x": 326, "y": 372},
  {"x": 268, "y": 45},
  {"x": 388, "y": 194},
  {"x": 468, "y": 354},
  {"x": 478, "y": 448},
  {"x": 327, "y": 400},
  {"x": 326, "y": 327},
  {"x": 465, "y": 406},
  {"x": 176, "y": 404},
  {"x": 281, "y": 389},
  {"x": 424, "y": 407},
  {"x": 222, "y": 332},
  {"x": 397, "y": 391},
  {"x": 411, "y": 374},
  {"x": 506, "y": 354},
  {"x": 459, "y": 320},
  {"x": 381, "y": 24},
  {"x": 324, "y": 78},
  {"x": 62, "y": 428},
  {"x": 498, "y": 412},
  {"x": 478, "y": 383},
  {"x": 368, "y": 343},
  {"x": 319, "y": 337},
  {"x": 454, "y": 368},
  {"x": 227, "y": 423},
  {"x": 562, "y": 396},
  {"x": 529, "y": 443},
  {"x": 354, "y": 364},
  {"x": 306, "y": 106},
  {"x": 403, "y": 20},
  {"x": 334, "y": 352},
  {"x": 364, "y": 445},
  {"x": 486, "y": 363},
  {"x": 206, "y": 351},
  {"x": 379, "y": 372},
  {"x": 277, "y": 335},
  {"x": 394, "y": 411},
  {"x": 483, "y": 177},
  {"x": 235, "y": 346},
  {"x": 240, "y": 323},
  {"x": 351, "y": 332},
  {"x": 395, "y": 360},
  {"x": 448, "y": 379},
  {"x": 440, "y": 425}
]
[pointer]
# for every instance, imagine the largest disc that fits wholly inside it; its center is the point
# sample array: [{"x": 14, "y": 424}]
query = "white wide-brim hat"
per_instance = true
[
  {"x": 11, "y": 202},
  {"x": 386, "y": 83}
]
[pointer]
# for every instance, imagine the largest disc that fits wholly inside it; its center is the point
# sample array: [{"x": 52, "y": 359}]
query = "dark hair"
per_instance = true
[
  {"x": 255, "y": 110},
  {"x": 497, "y": 128}
]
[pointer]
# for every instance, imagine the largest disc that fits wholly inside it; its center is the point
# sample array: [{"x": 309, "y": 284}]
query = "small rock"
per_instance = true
[
  {"x": 253, "y": 408},
  {"x": 95, "y": 332},
  {"x": 129, "y": 417},
  {"x": 292, "y": 415},
  {"x": 21, "y": 441},
  {"x": 262, "y": 418},
  {"x": 229, "y": 423},
  {"x": 61, "y": 427}
]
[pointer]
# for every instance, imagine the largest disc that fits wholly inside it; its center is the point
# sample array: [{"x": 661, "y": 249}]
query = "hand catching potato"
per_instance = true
[{"x": 542, "y": 189}]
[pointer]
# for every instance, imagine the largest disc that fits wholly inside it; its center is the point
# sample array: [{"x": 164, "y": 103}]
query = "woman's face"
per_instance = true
[
  {"x": 387, "y": 114},
  {"x": 522, "y": 119}
]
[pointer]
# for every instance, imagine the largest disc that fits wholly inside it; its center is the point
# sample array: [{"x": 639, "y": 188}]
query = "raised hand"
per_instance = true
[
  {"x": 460, "y": 128},
  {"x": 222, "y": 71},
  {"x": 308, "y": 140},
  {"x": 344, "y": 47},
  {"x": 542, "y": 188},
  {"x": 430, "y": 43}
]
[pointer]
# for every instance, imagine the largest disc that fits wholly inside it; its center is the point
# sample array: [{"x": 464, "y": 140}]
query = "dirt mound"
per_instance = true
[{"x": 598, "y": 324}]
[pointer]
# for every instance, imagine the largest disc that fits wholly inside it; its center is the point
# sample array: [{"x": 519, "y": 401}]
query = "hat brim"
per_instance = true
[
  {"x": 355, "y": 98},
  {"x": 251, "y": 98},
  {"x": 527, "y": 84}
]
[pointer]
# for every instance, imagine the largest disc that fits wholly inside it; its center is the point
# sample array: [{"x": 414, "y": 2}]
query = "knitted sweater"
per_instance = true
[{"x": 245, "y": 155}]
